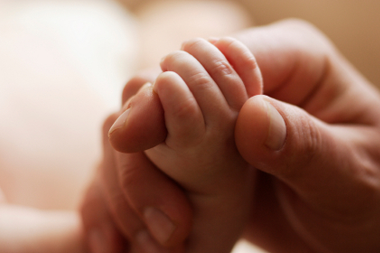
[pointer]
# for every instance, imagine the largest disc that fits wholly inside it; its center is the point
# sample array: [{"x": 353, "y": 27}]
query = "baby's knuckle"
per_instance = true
[
  {"x": 229, "y": 42},
  {"x": 221, "y": 67},
  {"x": 191, "y": 44},
  {"x": 186, "y": 110},
  {"x": 201, "y": 81},
  {"x": 250, "y": 61},
  {"x": 172, "y": 57},
  {"x": 228, "y": 39},
  {"x": 165, "y": 77}
]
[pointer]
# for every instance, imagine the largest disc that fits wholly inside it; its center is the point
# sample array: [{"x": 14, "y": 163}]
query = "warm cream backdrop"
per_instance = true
[{"x": 352, "y": 25}]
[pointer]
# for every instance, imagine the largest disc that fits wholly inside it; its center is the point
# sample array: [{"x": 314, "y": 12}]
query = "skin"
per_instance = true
[
  {"x": 318, "y": 191},
  {"x": 322, "y": 184},
  {"x": 201, "y": 95},
  {"x": 209, "y": 104}
]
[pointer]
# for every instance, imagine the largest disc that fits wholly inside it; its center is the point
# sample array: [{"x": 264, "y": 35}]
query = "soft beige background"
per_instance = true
[
  {"x": 62, "y": 67},
  {"x": 352, "y": 25}
]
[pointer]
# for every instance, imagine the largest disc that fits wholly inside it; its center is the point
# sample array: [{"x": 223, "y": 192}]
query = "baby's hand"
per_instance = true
[{"x": 201, "y": 90}]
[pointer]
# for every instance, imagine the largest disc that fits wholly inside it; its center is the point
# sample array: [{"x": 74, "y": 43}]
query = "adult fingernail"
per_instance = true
[
  {"x": 277, "y": 128},
  {"x": 120, "y": 122},
  {"x": 159, "y": 224},
  {"x": 147, "y": 243},
  {"x": 97, "y": 241}
]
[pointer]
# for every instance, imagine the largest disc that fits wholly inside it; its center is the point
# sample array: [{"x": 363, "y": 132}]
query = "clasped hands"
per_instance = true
[{"x": 271, "y": 136}]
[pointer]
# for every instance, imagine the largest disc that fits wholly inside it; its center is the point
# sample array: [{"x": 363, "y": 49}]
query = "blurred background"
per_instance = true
[{"x": 63, "y": 64}]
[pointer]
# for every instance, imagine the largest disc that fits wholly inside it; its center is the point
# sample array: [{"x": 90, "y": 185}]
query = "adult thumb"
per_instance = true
[{"x": 306, "y": 154}]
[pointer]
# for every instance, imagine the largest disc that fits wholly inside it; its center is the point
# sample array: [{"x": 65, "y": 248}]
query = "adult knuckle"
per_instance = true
[
  {"x": 300, "y": 25},
  {"x": 128, "y": 174},
  {"x": 311, "y": 35},
  {"x": 303, "y": 151},
  {"x": 117, "y": 203},
  {"x": 312, "y": 139}
]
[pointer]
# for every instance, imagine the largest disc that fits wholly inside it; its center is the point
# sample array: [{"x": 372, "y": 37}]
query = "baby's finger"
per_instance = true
[
  {"x": 244, "y": 63},
  {"x": 219, "y": 69},
  {"x": 183, "y": 117},
  {"x": 209, "y": 97}
]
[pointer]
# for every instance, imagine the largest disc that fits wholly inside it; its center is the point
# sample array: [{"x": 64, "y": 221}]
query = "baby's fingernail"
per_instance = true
[
  {"x": 97, "y": 241},
  {"x": 184, "y": 44},
  {"x": 161, "y": 62},
  {"x": 159, "y": 224},
  {"x": 277, "y": 128},
  {"x": 147, "y": 243},
  {"x": 213, "y": 40},
  {"x": 120, "y": 122}
]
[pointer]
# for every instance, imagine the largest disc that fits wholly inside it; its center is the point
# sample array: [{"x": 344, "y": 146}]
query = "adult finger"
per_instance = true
[
  {"x": 141, "y": 124},
  {"x": 308, "y": 156},
  {"x": 149, "y": 207},
  {"x": 102, "y": 234},
  {"x": 124, "y": 215},
  {"x": 158, "y": 201},
  {"x": 129, "y": 133},
  {"x": 300, "y": 66}
]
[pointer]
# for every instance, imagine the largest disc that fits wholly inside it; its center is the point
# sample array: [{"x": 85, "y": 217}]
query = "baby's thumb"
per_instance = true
[{"x": 304, "y": 153}]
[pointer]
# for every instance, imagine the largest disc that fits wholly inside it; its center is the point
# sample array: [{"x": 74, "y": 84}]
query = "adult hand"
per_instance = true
[
  {"x": 316, "y": 142},
  {"x": 131, "y": 206},
  {"x": 318, "y": 190}
]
